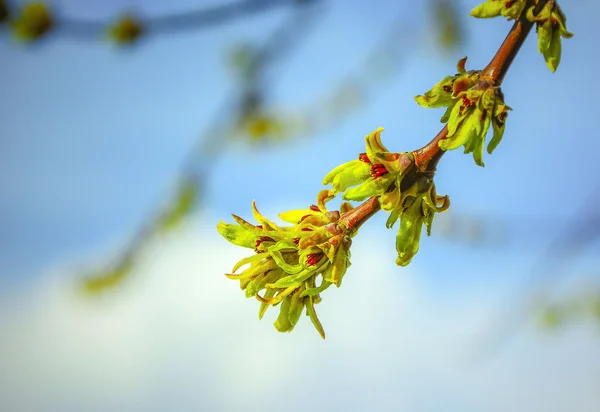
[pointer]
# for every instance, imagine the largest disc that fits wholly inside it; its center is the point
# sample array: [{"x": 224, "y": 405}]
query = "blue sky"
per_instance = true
[{"x": 92, "y": 138}]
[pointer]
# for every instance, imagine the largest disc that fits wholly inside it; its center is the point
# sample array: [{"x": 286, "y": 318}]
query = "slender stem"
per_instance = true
[
  {"x": 195, "y": 19},
  {"x": 427, "y": 157},
  {"x": 500, "y": 63},
  {"x": 356, "y": 217}
]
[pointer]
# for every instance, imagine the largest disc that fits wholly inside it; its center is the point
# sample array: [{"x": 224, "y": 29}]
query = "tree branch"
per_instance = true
[
  {"x": 427, "y": 157},
  {"x": 198, "y": 19}
]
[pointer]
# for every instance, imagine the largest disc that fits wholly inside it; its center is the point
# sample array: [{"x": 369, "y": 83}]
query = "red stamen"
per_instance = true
[
  {"x": 262, "y": 239},
  {"x": 313, "y": 258},
  {"x": 378, "y": 170},
  {"x": 306, "y": 229},
  {"x": 508, "y": 4},
  {"x": 296, "y": 241},
  {"x": 364, "y": 158},
  {"x": 304, "y": 217},
  {"x": 315, "y": 208},
  {"x": 467, "y": 102},
  {"x": 447, "y": 88}
]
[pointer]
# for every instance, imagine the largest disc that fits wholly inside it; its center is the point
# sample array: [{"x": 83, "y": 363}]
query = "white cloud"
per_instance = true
[{"x": 180, "y": 336}]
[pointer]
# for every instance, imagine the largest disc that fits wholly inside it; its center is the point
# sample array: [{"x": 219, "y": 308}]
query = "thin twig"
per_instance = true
[
  {"x": 427, "y": 157},
  {"x": 192, "y": 20}
]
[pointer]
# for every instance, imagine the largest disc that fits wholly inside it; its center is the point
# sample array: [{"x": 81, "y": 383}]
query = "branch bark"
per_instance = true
[{"x": 428, "y": 156}]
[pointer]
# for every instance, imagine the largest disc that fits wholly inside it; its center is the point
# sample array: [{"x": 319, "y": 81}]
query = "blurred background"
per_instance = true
[{"x": 129, "y": 128}]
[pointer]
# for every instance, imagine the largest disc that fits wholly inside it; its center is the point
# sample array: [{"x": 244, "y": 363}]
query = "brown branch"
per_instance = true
[
  {"x": 427, "y": 157},
  {"x": 356, "y": 217},
  {"x": 500, "y": 63}
]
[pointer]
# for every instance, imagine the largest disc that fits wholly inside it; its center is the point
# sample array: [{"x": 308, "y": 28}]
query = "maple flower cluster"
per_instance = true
[{"x": 292, "y": 265}]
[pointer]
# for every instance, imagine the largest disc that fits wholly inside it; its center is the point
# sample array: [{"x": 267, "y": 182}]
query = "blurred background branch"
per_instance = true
[
  {"x": 532, "y": 298},
  {"x": 34, "y": 20}
]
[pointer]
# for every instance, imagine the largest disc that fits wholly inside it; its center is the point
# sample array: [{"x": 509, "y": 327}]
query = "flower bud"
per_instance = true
[
  {"x": 551, "y": 26},
  {"x": 126, "y": 31},
  {"x": 511, "y": 9},
  {"x": 33, "y": 22}
]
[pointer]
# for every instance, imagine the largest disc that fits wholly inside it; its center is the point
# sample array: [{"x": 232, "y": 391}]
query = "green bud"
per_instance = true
[
  {"x": 551, "y": 26},
  {"x": 418, "y": 208},
  {"x": 470, "y": 121},
  {"x": 33, "y": 22},
  {"x": 377, "y": 172},
  {"x": 347, "y": 175},
  {"x": 511, "y": 9},
  {"x": 126, "y": 31},
  {"x": 409, "y": 234},
  {"x": 445, "y": 92}
]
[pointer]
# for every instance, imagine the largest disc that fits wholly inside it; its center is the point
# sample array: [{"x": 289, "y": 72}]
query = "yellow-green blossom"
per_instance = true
[
  {"x": 419, "y": 204},
  {"x": 375, "y": 173},
  {"x": 291, "y": 265},
  {"x": 473, "y": 103},
  {"x": 470, "y": 121},
  {"x": 551, "y": 26},
  {"x": 511, "y": 9},
  {"x": 401, "y": 188},
  {"x": 445, "y": 92}
]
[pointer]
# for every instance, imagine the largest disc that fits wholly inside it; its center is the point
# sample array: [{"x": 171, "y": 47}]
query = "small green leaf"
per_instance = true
[
  {"x": 407, "y": 239},
  {"x": 238, "y": 235},
  {"x": 545, "y": 35},
  {"x": 319, "y": 289},
  {"x": 372, "y": 187},
  {"x": 553, "y": 53},
  {"x": 281, "y": 262},
  {"x": 347, "y": 175},
  {"x": 282, "y": 324},
  {"x": 488, "y": 9},
  {"x": 296, "y": 308},
  {"x": 310, "y": 311},
  {"x": 511, "y": 9},
  {"x": 251, "y": 260},
  {"x": 498, "y": 123},
  {"x": 294, "y": 280},
  {"x": 338, "y": 267},
  {"x": 269, "y": 293}
]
